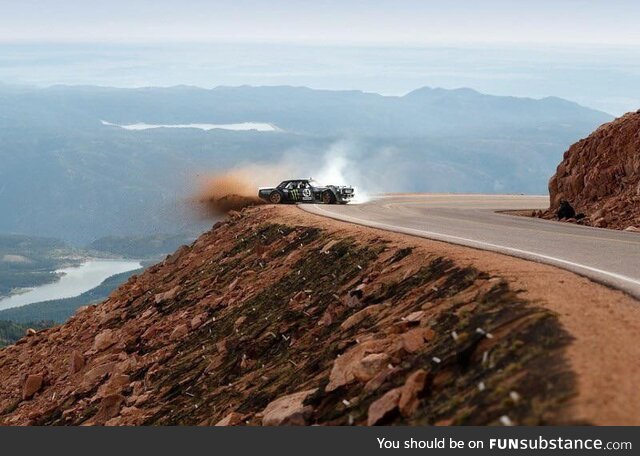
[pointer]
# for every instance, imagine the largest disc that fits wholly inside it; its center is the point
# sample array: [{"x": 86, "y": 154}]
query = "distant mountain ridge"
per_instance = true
[
  {"x": 64, "y": 174},
  {"x": 303, "y": 110}
]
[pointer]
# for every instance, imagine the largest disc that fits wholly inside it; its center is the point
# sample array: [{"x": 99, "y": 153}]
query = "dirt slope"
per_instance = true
[
  {"x": 281, "y": 317},
  {"x": 600, "y": 176}
]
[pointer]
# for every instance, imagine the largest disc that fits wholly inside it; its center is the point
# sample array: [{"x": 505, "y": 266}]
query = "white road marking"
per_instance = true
[{"x": 481, "y": 244}]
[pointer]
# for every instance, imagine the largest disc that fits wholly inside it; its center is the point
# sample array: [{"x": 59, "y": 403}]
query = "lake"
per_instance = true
[
  {"x": 74, "y": 282},
  {"x": 244, "y": 126}
]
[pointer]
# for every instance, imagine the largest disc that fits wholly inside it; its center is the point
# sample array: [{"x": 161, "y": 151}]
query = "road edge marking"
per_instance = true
[{"x": 512, "y": 251}]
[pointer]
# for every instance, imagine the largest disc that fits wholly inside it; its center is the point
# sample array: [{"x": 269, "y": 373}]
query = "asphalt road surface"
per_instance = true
[{"x": 606, "y": 256}]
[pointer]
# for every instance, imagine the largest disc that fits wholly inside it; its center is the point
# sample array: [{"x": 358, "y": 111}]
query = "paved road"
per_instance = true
[{"x": 607, "y": 256}]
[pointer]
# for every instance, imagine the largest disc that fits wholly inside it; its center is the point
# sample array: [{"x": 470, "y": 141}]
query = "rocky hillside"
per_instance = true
[
  {"x": 600, "y": 176},
  {"x": 265, "y": 320}
]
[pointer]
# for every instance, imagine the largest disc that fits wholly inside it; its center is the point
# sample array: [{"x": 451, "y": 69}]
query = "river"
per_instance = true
[{"x": 74, "y": 282}]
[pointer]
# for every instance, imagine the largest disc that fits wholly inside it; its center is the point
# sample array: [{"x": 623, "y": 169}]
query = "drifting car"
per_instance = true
[{"x": 306, "y": 191}]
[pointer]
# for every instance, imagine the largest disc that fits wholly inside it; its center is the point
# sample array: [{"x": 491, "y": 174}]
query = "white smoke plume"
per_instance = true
[{"x": 341, "y": 169}]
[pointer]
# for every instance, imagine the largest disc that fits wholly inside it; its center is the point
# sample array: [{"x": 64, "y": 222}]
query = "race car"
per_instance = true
[{"x": 306, "y": 191}]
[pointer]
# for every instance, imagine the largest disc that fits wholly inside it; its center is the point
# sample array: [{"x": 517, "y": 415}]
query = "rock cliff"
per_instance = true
[{"x": 600, "y": 176}]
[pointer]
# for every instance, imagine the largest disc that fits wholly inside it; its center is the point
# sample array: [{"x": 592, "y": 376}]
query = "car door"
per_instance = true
[
  {"x": 295, "y": 192},
  {"x": 289, "y": 191},
  {"x": 307, "y": 192}
]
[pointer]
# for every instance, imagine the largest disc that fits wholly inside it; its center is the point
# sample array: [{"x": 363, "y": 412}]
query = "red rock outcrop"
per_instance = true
[
  {"x": 600, "y": 176},
  {"x": 265, "y": 320}
]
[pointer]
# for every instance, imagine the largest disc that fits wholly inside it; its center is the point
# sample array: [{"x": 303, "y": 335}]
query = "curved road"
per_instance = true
[{"x": 606, "y": 256}]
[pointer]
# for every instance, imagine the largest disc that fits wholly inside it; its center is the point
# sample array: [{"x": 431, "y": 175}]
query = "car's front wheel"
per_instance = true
[
  {"x": 275, "y": 197},
  {"x": 328, "y": 197}
]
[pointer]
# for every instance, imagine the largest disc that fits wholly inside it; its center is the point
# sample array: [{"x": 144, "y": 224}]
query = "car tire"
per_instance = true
[
  {"x": 275, "y": 197},
  {"x": 328, "y": 197}
]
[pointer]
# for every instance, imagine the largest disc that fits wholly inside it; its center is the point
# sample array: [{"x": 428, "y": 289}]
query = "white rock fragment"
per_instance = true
[{"x": 506, "y": 421}]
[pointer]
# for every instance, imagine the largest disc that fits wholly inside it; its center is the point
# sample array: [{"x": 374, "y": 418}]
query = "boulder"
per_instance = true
[
  {"x": 167, "y": 295},
  {"x": 600, "y": 222},
  {"x": 411, "y": 391},
  {"x": 104, "y": 340},
  {"x": 288, "y": 410},
  {"x": 382, "y": 407},
  {"x": 109, "y": 408},
  {"x": 350, "y": 367},
  {"x": 239, "y": 321},
  {"x": 97, "y": 373},
  {"x": 232, "y": 419},
  {"x": 414, "y": 339},
  {"x": 377, "y": 381},
  {"x": 150, "y": 333},
  {"x": 198, "y": 320},
  {"x": 221, "y": 346},
  {"x": 179, "y": 332},
  {"x": 414, "y": 317},
  {"x": 115, "y": 385},
  {"x": 32, "y": 385},
  {"x": 360, "y": 316},
  {"x": 76, "y": 362},
  {"x": 370, "y": 366},
  {"x": 126, "y": 365}
]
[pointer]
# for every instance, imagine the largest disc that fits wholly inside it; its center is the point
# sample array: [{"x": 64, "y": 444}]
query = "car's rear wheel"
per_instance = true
[
  {"x": 328, "y": 197},
  {"x": 275, "y": 197}
]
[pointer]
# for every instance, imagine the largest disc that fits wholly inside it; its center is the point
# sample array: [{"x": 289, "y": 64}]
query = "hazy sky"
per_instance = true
[
  {"x": 375, "y": 22},
  {"x": 583, "y": 50}
]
